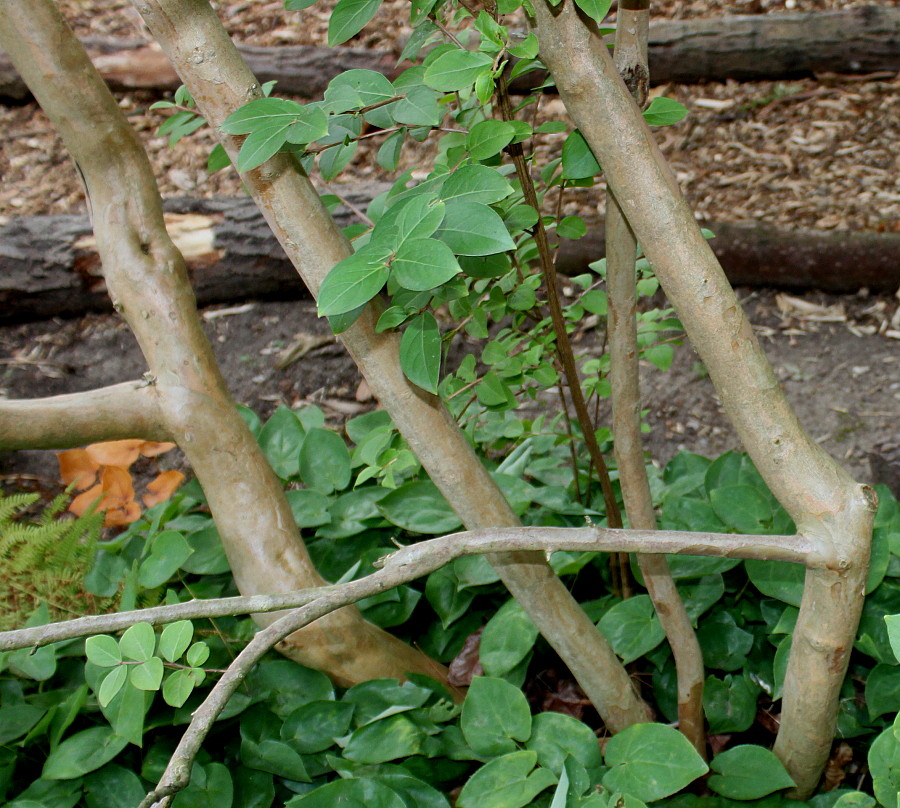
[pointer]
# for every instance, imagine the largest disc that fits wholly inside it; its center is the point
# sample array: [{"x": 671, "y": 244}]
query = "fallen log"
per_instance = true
[
  {"x": 49, "y": 266},
  {"x": 863, "y": 39}
]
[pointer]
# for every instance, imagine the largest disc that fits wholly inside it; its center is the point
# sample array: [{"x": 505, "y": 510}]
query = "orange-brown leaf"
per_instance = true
[
  {"x": 120, "y": 453},
  {"x": 162, "y": 487},
  {"x": 118, "y": 489},
  {"x": 152, "y": 448},
  {"x": 116, "y": 517},
  {"x": 78, "y": 467},
  {"x": 83, "y": 501}
]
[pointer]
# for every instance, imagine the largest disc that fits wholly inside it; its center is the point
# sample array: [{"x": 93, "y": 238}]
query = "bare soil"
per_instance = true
[{"x": 821, "y": 153}]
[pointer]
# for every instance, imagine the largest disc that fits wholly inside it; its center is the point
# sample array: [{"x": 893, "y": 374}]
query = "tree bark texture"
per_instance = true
[
  {"x": 748, "y": 47},
  {"x": 220, "y": 82},
  {"x": 148, "y": 284},
  {"x": 630, "y": 57},
  {"x": 49, "y": 266},
  {"x": 824, "y": 501}
]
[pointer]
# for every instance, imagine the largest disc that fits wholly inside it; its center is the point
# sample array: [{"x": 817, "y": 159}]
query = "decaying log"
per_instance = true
[
  {"x": 49, "y": 267},
  {"x": 862, "y": 39}
]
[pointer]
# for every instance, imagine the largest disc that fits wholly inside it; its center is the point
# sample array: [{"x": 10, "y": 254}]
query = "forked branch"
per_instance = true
[
  {"x": 827, "y": 505},
  {"x": 220, "y": 81}
]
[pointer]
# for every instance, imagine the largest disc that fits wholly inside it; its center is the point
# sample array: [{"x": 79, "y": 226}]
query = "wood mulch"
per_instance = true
[{"x": 805, "y": 154}]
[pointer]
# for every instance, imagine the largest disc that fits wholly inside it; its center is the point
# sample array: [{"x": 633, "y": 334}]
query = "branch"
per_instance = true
[
  {"x": 193, "y": 38},
  {"x": 128, "y": 410},
  {"x": 425, "y": 557},
  {"x": 824, "y": 501},
  {"x": 630, "y": 56}
]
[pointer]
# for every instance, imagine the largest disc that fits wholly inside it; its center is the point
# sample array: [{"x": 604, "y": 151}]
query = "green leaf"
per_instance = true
[
  {"x": 495, "y": 715},
  {"x": 578, "y": 161},
  {"x": 369, "y": 86},
  {"x": 310, "y": 508},
  {"x": 148, "y": 675},
  {"x": 285, "y": 685},
  {"x": 420, "y": 352},
  {"x": 730, "y": 703},
  {"x": 260, "y": 145},
  {"x": 314, "y": 727},
  {"x": 724, "y": 644},
  {"x": 169, "y": 551},
  {"x": 217, "y": 160},
  {"x": 884, "y": 765},
  {"x": 419, "y": 107},
  {"x": 262, "y": 113},
  {"x": 310, "y": 124},
  {"x": 352, "y": 282},
  {"x": 446, "y": 598},
  {"x": 15, "y": 721},
  {"x": 388, "y": 739},
  {"x": 363, "y": 792},
  {"x": 554, "y": 736},
  {"x": 113, "y": 787},
  {"x": 103, "y": 650},
  {"x": 423, "y": 263},
  {"x": 748, "y": 772},
  {"x": 659, "y": 355},
  {"x": 632, "y": 628},
  {"x": 778, "y": 579},
  {"x": 111, "y": 685},
  {"x": 507, "y": 639},
  {"x": 420, "y": 508},
  {"x": 526, "y": 49},
  {"x": 507, "y": 782},
  {"x": 476, "y": 183},
  {"x": 487, "y": 138},
  {"x": 298, "y": 5},
  {"x": 332, "y": 161},
  {"x": 175, "y": 639},
  {"x": 348, "y": 18},
  {"x": 892, "y": 621},
  {"x": 388, "y": 155},
  {"x": 651, "y": 761},
  {"x": 281, "y": 439},
  {"x": 471, "y": 228},
  {"x": 456, "y": 69},
  {"x": 209, "y": 556},
  {"x": 595, "y": 9},
  {"x": 571, "y": 227},
  {"x": 178, "y": 687},
  {"x": 82, "y": 753},
  {"x": 197, "y": 654},
  {"x": 663, "y": 111},
  {"x": 138, "y": 642},
  {"x": 883, "y": 690},
  {"x": 416, "y": 217},
  {"x": 741, "y": 507},
  {"x": 325, "y": 461}
]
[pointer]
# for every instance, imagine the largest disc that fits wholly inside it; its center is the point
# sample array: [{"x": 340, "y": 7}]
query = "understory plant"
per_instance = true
[{"x": 503, "y": 444}]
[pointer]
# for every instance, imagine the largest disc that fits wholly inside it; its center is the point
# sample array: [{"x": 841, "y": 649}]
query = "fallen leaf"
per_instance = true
[
  {"x": 77, "y": 467},
  {"x": 117, "y": 517},
  {"x": 162, "y": 487},
  {"x": 152, "y": 448},
  {"x": 121, "y": 453}
]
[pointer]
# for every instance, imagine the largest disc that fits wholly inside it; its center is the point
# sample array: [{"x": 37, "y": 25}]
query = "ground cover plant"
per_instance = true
[{"x": 470, "y": 245}]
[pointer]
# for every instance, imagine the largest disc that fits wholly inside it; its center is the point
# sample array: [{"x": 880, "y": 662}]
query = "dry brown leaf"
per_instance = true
[
  {"x": 162, "y": 487},
  {"x": 77, "y": 467},
  {"x": 121, "y": 453}
]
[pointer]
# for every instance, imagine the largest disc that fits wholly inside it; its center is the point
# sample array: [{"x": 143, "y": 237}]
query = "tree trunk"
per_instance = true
[
  {"x": 221, "y": 82},
  {"x": 822, "y": 498},
  {"x": 748, "y": 47},
  {"x": 148, "y": 284}
]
